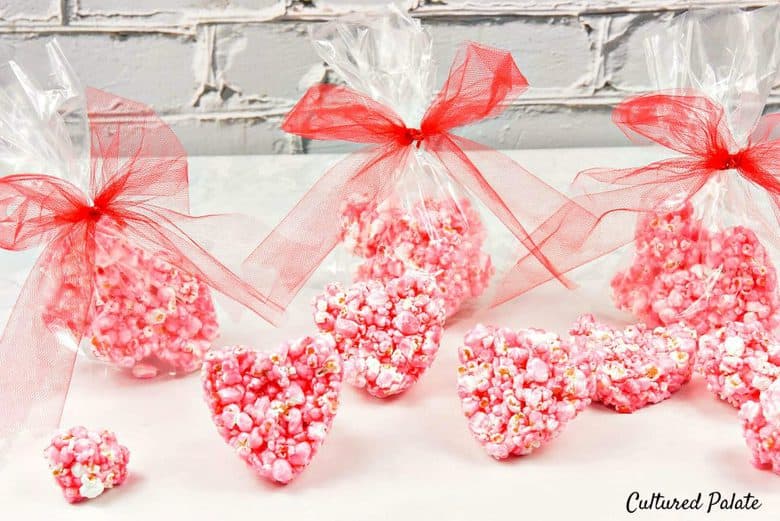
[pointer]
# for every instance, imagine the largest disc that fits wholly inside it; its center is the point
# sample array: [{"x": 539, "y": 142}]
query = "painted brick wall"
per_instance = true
[{"x": 223, "y": 72}]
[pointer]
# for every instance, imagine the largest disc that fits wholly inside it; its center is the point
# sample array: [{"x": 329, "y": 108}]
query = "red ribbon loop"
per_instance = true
[
  {"x": 602, "y": 219},
  {"x": 480, "y": 82},
  {"x": 138, "y": 187}
]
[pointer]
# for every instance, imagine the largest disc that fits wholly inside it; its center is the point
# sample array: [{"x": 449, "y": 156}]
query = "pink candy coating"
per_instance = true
[
  {"x": 86, "y": 463},
  {"x": 761, "y": 427},
  {"x": 636, "y": 366},
  {"x": 147, "y": 314},
  {"x": 442, "y": 237},
  {"x": 739, "y": 361},
  {"x": 518, "y": 389},
  {"x": 274, "y": 409},
  {"x": 683, "y": 272},
  {"x": 388, "y": 334}
]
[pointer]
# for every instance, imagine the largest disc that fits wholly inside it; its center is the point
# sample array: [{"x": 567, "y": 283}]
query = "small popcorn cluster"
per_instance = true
[
  {"x": 636, "y": 366},
  {"x": 275, "y": 409},
  {"x": 147, "y": 315},
  {"x": 761, "y": 427},
  {"x": 86, "y": 463},
  {"x": 388, "y": 334},
  {"x": 739, "y": 361},
  {"x": 518, "y": 389},
  {"x": 442, "y": 237},
  {"x": 684, "y": 272}
]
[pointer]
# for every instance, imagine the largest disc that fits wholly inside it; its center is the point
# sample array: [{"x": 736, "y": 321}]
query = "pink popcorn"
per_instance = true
[
  {"x": 442, "y": 237},
  {"x": 518, "y": 389},
  {"x": 388, "y": 334},
  {"x": 636, "y": 366},
  {"x": 274, "y": 409},
  {"x": 147, "y": 315},
  {"x": 739, "y": 361},
  {"x": 761, "y": 427},
  {"x": 683, "y": 272},
  {"x": 86, "y": 463}
]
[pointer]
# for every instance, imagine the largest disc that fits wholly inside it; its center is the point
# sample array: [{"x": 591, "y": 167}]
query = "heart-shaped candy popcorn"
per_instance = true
[
  {"x": 518, "y": 389},
  {"x": 274, "y": 409},
  {"x": 739, "y": 361},
  {"x": 636, "y": 366},
  {"x": 682, "y": 271},
  {"x": 388, "y": 334},
  {"x": 761, "y": 427},
  {"x": 440, "y": 236},
  {"x": 86, "y": 463}
]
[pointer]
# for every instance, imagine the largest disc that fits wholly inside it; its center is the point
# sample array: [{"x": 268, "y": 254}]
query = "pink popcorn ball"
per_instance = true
[
  {"x": 86, "y": 463},
  {"x": 707, "y": 279},
  {"x": 443, "y": 237},
  {"x": 518, "y": 389},
  {"x": 739, "y": 361},
  {"x": 147, "y": 314},
  {"x": 388, "y": 334},
  {"x": 636, "y": 366},
  {"x": 275, "y": 409},
  {"x": 761, "y": 427}
]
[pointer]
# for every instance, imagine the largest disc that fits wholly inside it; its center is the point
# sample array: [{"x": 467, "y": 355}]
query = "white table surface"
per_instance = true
[{"x": 409, "y": 458}]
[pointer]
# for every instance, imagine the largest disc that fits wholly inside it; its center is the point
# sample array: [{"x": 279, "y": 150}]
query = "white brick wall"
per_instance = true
[{"x": 224, "y": 72}]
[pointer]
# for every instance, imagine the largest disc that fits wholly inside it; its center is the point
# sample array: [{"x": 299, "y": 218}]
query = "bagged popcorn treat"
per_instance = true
[
  {"x": 123, "y": 274},
  {"x": 703, "y": 224},
  {"x": 417, "y": 197}
]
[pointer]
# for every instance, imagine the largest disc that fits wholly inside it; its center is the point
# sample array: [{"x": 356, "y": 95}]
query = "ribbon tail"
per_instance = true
[
  {"x": 592, "y": 225},
  {"x": 41, "y": 339},
  {"x": 284, "y": 261},
  {"x": 182, "y": 240},
  {"x": 520, "y": 200}
]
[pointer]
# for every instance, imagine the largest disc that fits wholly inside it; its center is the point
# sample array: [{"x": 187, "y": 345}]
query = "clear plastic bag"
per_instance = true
[
  {"x": 96, "y": 215},
  {"x": 706, "y": 255},
  {"x": 418, "y": 198}
]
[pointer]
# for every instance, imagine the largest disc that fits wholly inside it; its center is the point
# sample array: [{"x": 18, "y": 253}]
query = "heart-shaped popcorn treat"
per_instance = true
[
  {"x": 518, "y": 389},
  {"x": 388, "y": 334},
  {"x": 636, "y": 366},
  {"x": 274, "y": 409},
  {"x": 705, "y": 277},
  {"x": 739, "y": 361},
  {"x": 86, "y": 463},
  {"x": 440, "y": 236},
  {"x": 147, "y": 315},
  {"x": 761, "y": 427}
]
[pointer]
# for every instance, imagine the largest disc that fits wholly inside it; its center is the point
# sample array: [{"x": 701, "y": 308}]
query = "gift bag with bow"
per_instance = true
[
  {"x": 94, "y": 201},
  {"x": 417, "y": 197},
  {"x": 703, "y": 222}
]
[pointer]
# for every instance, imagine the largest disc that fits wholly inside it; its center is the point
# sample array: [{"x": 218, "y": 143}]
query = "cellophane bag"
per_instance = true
[
  {"x": 706, "y": 254},
  {"x": 417, "y": 199},
  {"x": 105, "y": 259},
  {"x": 700, "y": 225}
]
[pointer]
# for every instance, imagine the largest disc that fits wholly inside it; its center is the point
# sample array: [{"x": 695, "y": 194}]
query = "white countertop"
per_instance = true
[{"x": 409, "y": 458}]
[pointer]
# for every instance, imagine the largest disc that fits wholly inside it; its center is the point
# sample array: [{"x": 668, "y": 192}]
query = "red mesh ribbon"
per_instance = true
[
  {"x": 138, "y": 187},
  {"x": 603, "y": 219},
  {"x": 481, "y": 79}
]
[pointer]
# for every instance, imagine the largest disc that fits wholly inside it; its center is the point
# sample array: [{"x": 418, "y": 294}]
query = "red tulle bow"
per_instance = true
[
  {"x": 603, "y": 219},
  {"x": 481, "y": 79},
  {"x": 138, "y": 188}
]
